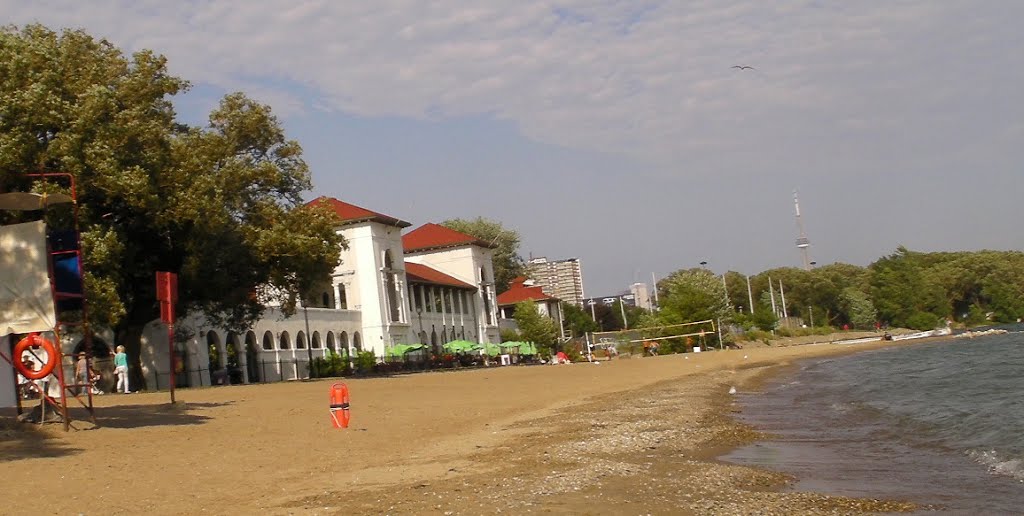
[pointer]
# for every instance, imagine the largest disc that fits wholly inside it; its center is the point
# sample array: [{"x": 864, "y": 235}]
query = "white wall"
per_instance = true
[{"x": 464, "y": 263}]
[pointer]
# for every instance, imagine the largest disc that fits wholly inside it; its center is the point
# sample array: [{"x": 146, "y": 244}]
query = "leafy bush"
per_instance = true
[
  {"x": 328, "y": 366},
  {"x": 365, "y": 360}
]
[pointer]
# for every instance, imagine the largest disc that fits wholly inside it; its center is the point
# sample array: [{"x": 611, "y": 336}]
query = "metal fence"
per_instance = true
[{"x": 283, "y": 370}]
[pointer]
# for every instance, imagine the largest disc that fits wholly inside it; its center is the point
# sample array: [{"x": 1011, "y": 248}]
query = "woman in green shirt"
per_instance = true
[{"x": 121, "y": 369}]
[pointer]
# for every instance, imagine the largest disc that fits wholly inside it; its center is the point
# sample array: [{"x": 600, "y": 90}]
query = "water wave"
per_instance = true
[{"x": 998, "y": 465}]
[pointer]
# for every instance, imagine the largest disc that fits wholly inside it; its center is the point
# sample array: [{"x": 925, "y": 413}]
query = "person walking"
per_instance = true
[
  {"x": 81, "y": 372},
  {"x": 121, "y": 370}
]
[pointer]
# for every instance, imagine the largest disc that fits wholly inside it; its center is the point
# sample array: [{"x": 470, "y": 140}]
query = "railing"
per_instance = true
[{"x": 283, "y": 370}]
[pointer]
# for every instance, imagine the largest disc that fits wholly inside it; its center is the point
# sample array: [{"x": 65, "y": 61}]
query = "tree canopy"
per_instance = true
[
  {"x": 534, "y": 326},
  {"x": 507, "y": 262},
  {"x": 219, "y": 204}
]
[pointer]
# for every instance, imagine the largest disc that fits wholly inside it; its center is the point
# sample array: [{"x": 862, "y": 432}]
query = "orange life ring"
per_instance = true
[
  {"x": 34, "y": 341},
  {"x": 340, "y": 414}
]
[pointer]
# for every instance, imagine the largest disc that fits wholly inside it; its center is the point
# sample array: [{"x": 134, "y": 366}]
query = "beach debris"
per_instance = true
[
  {"x": 732, "y": 390},
  {"x": 744, "y": 357}
]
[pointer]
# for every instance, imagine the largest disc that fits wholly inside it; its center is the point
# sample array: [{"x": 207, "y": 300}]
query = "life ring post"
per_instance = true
[{"x": 340, "y": 407}]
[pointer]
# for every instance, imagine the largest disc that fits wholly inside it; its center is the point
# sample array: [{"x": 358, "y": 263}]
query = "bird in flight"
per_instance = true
[{"x": 744, "y": 67}]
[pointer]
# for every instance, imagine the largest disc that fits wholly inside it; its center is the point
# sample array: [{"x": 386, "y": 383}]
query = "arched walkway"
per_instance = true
[
  {"x": 233, "y": 360},
  {"x": 252, "y": 358}
]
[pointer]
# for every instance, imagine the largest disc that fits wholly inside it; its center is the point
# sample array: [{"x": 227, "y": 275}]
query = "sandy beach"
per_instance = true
[{"x": 630, "y": 436}]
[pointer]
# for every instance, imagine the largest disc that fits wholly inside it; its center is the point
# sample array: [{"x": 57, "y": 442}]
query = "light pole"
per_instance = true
[{"x": 309, "y": 350}]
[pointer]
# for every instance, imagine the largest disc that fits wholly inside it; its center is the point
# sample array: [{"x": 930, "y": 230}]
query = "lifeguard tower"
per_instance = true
[{"x": 41, "y": 294}]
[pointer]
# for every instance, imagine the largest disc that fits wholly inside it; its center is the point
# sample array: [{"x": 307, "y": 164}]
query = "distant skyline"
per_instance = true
[{"x": 618, "y": 132}]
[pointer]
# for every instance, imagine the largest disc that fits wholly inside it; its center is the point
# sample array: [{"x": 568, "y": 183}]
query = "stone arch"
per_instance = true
[
  {"x": 216, "y": 352},
  {"x": 330, "y": 342},
  {"x": 252, "y": 358},
  {"x": 314, "y": 342},
  {"x": 343, "y": 341},
  {"x": 100, "y": 348},
  {"x": 357, "y": 342},
  {"x": 285, "y": 341},
  {"x": 300, "y": 340},
  {"x": 268, "y": 341},
  {"x": 233, "y": 358}
]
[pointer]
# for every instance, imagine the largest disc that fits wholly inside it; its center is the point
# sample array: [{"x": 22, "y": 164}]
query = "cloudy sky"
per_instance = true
[{"x": 617, "y": 131}]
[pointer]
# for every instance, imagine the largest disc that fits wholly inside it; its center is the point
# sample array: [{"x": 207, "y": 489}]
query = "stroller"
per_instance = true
[{"x": 94, "y": 377}]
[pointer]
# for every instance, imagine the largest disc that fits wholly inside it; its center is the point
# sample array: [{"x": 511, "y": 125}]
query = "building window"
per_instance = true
[
  {"x": 285, "y": 340},
  {"x": 428, "y": 301},
  {"x": 436, "y": 294},
  {"x": 325, "y": 298},
  {"x": 342, "y": 298},
  {"x": 314, "y": 342},
  {"x": 448, "y": 301},
  {"x": 268, "y": 341}
]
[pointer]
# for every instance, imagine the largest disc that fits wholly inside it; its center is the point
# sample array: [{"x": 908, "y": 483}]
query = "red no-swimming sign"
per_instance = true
[{"x": 167, "y": 294}]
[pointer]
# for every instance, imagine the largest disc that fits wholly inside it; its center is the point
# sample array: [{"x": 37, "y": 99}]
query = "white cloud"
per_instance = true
[{"x": 647, "y": 79}]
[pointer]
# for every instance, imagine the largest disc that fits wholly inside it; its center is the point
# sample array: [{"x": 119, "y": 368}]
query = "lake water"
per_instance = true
[{"x": 938, "y": 423}]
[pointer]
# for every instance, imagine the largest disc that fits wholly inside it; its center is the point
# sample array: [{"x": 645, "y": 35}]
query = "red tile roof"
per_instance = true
[
  {"x": 436, "y": 236},
  {"x": 350, "y": 213},
  {"x": 419, "y": 273},
  {"x": 517, "y": 292}
]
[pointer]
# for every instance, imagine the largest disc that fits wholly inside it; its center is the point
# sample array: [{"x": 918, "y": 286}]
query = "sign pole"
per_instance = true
[
  {"x": 170, "y": 354},
  {"x": 167, "y": 294}
]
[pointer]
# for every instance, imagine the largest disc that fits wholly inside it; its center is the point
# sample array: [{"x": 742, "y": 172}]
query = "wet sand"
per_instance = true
[{"x": 630, "y": 436}]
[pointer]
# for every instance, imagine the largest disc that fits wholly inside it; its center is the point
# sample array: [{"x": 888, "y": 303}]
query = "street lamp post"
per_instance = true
[{"x": 309, "y": 341}]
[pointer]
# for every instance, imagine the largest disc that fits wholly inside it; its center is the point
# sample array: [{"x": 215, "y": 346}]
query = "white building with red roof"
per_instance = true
[
  {"x": 523, "y": 289},
  {"x": 465, "y": 259},
  {"x": 431, "y": 286}
]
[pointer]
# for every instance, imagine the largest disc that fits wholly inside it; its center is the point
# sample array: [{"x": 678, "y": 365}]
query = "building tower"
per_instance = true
[
  {"x": 558, "y": 278},
  {"x": 802, "y": 243}
]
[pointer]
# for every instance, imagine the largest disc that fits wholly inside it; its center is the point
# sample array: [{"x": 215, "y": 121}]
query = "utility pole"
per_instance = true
[
  {"x": 771, "y": 291},
  {"x": 622, "y": 307},
  {"x": 726, "y": 289},
  {"x": 750, "y": 295},
  {"x": 785, "y": 313},
  {"x": 654, "y": 280}
]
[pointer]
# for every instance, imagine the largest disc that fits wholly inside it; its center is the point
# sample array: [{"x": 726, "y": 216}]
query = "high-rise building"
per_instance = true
[
  {"x": 640, "y": 296},
  {"x": 558, "y": 278}
]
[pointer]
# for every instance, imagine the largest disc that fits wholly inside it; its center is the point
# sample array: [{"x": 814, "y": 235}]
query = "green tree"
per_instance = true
[
  {"x": 534, "y": 326},
  {"x": 577, "y": 320},
  {"x": 216, "y": 204},
  {"x": 858, "y": 308},
  {"x": 692, "y": 295},
  {"x": 507, "y": 262},
  {"x": 904, "y": 293}
]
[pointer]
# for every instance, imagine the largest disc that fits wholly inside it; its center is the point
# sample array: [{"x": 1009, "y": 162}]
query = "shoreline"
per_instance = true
[{"x": 631, "y": 435}]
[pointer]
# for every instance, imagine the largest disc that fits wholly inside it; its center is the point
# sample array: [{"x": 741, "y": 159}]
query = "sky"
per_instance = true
[{"x": 618, "y": 132}]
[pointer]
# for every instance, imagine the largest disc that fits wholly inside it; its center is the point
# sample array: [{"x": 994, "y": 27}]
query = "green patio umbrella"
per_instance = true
[
  {"x": 401, "y": 349},
  {"x": 492, "y": 349},
  {"x": 461, "y": 346}
]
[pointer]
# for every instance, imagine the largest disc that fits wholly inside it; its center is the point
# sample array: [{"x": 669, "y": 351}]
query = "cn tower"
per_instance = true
[{"x": 802, "y": 242}]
